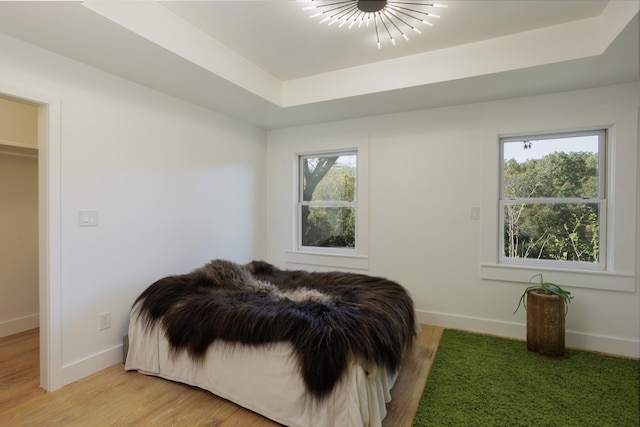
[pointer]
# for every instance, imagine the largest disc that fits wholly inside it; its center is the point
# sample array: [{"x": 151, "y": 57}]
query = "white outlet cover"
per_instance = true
[
  {"x": 475, "y": 213},
  {"x": 105, "y": 320}
]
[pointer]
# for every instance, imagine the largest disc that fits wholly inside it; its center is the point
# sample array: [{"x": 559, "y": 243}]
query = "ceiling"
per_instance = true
[
  {"x": 290, "y": 45},
  {"x": 267, "y": 63}
]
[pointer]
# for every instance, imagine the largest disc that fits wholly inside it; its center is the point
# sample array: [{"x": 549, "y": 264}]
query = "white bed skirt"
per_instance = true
[{"x": 264, "y": 380}]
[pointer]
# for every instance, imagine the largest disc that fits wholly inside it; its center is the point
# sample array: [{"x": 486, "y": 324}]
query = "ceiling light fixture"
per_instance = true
[{"x": 388, "y": 17}]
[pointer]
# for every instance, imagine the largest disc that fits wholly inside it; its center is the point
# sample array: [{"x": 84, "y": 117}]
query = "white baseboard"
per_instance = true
[
  {"x": 19, "y": 324},
  {"x": 82, "y": 368},
  {"x": 605, "y": 344},
  {"x": 599, "y": 343}
]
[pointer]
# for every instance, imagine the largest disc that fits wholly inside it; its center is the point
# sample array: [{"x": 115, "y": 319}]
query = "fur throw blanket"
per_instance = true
[{"x": 331, "y": 319}]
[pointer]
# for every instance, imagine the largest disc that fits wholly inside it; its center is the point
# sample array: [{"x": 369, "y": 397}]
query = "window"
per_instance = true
[
  {"x": 552, "y": 200},
  {"x": 327, "y": 202}
]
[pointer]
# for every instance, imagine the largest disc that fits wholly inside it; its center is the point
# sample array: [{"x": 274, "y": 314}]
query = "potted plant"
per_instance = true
[{"x": 547, "y": 305}]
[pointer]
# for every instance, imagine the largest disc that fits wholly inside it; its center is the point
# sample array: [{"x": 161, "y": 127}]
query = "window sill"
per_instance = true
[
  {"x": 604, "y": 280},
  {"x": 348, "y": 261}
]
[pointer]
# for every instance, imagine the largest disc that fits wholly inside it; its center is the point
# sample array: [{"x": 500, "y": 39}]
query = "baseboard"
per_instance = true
[
  {"x": 19, "y": 324},
  {"x": 82, "y": 368},
  {"x": 599, "y": 343},
  {"x": 605, "y": 344}
]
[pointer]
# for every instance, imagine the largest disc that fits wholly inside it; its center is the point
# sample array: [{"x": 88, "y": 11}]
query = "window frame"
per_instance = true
[
  {"x": 327, "y": 203},
  {"x": 612, "y": 108},
  {"x": 350, "y": 260},
  {"x": 600, "y": 199}
]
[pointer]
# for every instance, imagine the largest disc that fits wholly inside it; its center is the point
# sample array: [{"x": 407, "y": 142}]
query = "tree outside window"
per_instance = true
[
  {"x": 327, "y": 200},
  {"x": 552, "y": 199}
]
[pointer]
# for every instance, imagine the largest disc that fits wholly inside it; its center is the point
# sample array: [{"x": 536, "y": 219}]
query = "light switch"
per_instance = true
[{"x": 88, "y": 218}]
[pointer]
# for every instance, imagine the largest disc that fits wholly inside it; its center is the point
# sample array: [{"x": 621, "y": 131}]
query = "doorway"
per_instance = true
[
  {"x": 48, "y": 228},
  {"x": 19, "y": 296}
]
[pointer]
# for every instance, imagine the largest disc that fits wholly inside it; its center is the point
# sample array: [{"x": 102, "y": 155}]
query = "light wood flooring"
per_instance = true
[{"x": 114, "y": 397}]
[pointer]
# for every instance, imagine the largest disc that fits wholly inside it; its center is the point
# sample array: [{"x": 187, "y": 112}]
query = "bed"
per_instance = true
[{"x": 300, "y": 348}]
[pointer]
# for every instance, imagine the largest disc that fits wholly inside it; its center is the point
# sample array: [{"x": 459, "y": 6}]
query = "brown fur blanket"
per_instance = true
[{"x": 330, "y": 319}]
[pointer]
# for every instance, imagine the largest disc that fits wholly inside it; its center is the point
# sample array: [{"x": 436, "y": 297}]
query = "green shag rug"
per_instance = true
[{"x": 481, "y": 380}]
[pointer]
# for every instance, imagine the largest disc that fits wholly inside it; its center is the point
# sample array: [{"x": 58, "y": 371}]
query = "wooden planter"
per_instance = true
[{"x": 545, "y": 324}]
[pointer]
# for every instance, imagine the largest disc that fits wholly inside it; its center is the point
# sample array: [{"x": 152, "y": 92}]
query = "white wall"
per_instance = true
[
  {"x": 175, "y": 186},
  {"x": 428, "y": 168}
]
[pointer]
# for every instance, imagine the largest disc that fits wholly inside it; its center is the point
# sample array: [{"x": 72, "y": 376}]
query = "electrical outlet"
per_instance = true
[
  {"x": 105, "y": 320},
  {"x": 475, "y": 213}
]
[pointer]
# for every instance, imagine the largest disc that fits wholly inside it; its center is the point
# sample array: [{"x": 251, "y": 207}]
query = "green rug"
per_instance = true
[{"x": 480, "y": 380}]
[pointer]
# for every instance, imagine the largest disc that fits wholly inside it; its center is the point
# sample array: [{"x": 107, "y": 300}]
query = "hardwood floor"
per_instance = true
[
  {"x": 116, "y": 397},
  {"x": 19, "y": 369}
]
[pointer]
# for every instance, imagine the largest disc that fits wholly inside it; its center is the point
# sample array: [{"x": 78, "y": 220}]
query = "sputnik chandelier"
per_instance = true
[{"x": 388, "y": 17}]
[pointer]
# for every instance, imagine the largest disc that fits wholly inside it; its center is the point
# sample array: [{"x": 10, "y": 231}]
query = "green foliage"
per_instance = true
[
  {"x": 558, "y": 174},
  {"x": 554, "y": 231},
  {"x": 546, "y": 288},
  {"x": 326, "y": 225},
  {"x": 329, "y": 227},
  {"x": 337, "y": 184}
]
